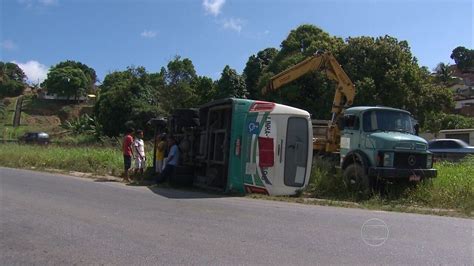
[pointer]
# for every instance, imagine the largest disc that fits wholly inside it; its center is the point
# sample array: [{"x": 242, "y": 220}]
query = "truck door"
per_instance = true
[{"x": 350, "y": 137}]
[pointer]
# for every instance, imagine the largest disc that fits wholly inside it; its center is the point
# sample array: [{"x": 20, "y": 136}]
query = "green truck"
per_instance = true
[{"x": 381, "y": 143}]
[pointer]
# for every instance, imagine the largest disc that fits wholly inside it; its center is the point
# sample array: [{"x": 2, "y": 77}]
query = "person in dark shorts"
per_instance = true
[{"x": 127, "y": 153}]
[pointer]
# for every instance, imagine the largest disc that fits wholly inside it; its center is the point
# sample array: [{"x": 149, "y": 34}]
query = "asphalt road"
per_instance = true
[{"x": 58, "y": 219}]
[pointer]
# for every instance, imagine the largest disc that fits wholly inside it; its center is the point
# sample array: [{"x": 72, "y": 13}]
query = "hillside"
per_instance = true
[{"x": 40, "y": 115}]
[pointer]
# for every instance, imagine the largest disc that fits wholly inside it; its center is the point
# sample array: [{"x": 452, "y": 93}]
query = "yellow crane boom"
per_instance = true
[{"x": 343, "y": 97}]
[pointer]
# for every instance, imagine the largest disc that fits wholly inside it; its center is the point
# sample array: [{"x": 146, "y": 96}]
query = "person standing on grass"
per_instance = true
[
  {"x": 171, "y": 161},
  {"x": 139, "y": 151},
  {"x": 160, "y": 153},
  {"x": 127, "y": 153}
]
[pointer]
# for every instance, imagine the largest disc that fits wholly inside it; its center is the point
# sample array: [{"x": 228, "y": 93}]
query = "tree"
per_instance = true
[
  {"x": 312, "y": 92},
  {"x": 383, "y": 70},
  {"x": 12, "y": 80},
  {"x": 386, "y": 73},
  {"x": 464, "y": 58},
  {"x": 66, "y": 81},
  {"x": 302, "y": 42},
  {"x": 444, "y": 74},
  {"x": 437, "y": 121},
  {"x": 205, "y": 89},
  {"x": 88, "y": 71},
  {"x": 254, "y": 68},
  {"x": 127, "y": 97},
  {"x": 231, "y": 84},
  {"x": 113, "y": 109},
  {"x": 179, "y": 81}
]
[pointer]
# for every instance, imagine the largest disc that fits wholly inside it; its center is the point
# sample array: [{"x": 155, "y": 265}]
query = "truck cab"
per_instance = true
[{"x": 381, "y": 143}]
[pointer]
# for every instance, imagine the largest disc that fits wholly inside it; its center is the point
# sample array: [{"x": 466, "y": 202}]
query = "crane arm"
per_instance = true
[
  {"x": 343, "y": 97},
  {"x": 326, "y": 63}
]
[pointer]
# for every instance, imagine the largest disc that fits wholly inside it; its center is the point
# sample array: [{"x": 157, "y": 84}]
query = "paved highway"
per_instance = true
[{"x": 59, "y": 219}]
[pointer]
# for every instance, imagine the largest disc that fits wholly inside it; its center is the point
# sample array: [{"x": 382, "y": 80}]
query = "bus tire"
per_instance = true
[{"x": 356, "y": 180}]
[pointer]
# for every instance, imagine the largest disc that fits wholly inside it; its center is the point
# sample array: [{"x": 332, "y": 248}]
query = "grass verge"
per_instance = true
[
  {"x": 102, "y": 160},
  {"x": 451, "y": 193}
]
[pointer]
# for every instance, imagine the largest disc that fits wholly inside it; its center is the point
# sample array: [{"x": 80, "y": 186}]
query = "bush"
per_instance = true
[
  {"x": 438, "y": 121},
  {"x": 324, "y": 182},
  {"x": 11, "y": 88},
  {"x": 64, "y": 112}
]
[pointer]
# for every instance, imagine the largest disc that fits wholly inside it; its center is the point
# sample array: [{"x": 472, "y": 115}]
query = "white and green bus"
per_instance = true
[{"x": 245, "y": 146}]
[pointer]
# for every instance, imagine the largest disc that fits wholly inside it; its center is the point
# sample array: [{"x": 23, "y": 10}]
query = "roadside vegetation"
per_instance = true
[
  {"x": 96, "y": 160},
  {"x": 105, "y": 159},
  {"x": 452, "y": 189}
]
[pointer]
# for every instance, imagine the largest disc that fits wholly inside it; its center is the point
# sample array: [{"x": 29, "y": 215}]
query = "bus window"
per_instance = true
[{"x": 296, "y": 154}]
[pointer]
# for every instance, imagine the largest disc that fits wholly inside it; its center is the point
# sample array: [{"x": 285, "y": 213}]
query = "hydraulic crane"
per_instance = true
[{"x": 343, "y": 97}]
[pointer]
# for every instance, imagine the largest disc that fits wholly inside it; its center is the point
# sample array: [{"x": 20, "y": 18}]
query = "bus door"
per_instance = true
[{"x": 296, "y": 152}]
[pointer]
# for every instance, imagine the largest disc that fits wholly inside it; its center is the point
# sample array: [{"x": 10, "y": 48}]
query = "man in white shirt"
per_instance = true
[
  {"x": 171, "y": 161},
  {"x": 139, "y": 152}
]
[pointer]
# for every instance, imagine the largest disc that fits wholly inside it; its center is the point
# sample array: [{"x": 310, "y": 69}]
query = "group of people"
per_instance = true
[
  {"x": 167, "y": 155},
  {"x": 133, "y": 147}
]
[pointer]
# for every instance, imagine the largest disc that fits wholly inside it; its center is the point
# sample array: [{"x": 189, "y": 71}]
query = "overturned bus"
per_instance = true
[{"x": 244, "y": 146}]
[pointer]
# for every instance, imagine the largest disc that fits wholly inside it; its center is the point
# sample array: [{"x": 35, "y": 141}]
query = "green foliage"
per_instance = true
[
  {"x": 11, "y": 88},
  {"x": 66, "y": 81},
  {"x": 130, "y": 95},
  {"x": 254, "y": 69},
  {"x": 84, "y": 124},
  {"x": 182, "y": 88},
  {"x": 453, "y": 188},
  {"x": 444, "y": 74},
  {"x": 464, "y": 58},
  {"x": 12, "y": 71},
  {"x": 313, "y": 92},
  {"x": 324, "y": 182},
  {"x": 437, "y": 121},
  {"x": 88, "y": 71},
  {"x": 12, "y": 80},
  {"x": 96, "y": 160},
  {"x": 231, "y": 84},
  {"x": 205, "y": 89},
  {"x": 383, "y": 70},
  {"x": 385, "y": 73},
  {"x": 302, "y": 42}
]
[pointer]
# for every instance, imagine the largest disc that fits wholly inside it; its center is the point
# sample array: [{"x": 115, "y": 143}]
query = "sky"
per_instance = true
[{"x": 110, "y": 35}]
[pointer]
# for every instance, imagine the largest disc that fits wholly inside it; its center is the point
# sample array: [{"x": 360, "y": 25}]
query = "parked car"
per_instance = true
[
  {"x": 35, "y": 137},
  {"x": 449, "y": 149}
]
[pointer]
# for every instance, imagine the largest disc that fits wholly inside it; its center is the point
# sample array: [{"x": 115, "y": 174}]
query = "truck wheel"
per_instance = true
[{"x": 357, "y": 180}]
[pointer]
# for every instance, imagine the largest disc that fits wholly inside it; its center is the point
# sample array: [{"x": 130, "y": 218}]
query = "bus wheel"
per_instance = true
[{"x": 356, "y": 180}]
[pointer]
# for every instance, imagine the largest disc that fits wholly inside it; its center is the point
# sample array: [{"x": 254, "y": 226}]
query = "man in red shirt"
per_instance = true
[{"x": 127, "y": 153}]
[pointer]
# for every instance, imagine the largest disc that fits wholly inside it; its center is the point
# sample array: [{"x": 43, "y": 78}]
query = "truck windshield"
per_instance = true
[{"x": 388, "y": 120}]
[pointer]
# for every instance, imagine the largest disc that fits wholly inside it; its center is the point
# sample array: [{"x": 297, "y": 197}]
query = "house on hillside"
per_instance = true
[
  {"x": 463, "y": 91},
  {"x": 43, "y": 94}
]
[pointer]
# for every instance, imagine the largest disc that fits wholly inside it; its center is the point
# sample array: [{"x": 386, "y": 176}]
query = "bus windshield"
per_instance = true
[{"x": 388, "y": 120}]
